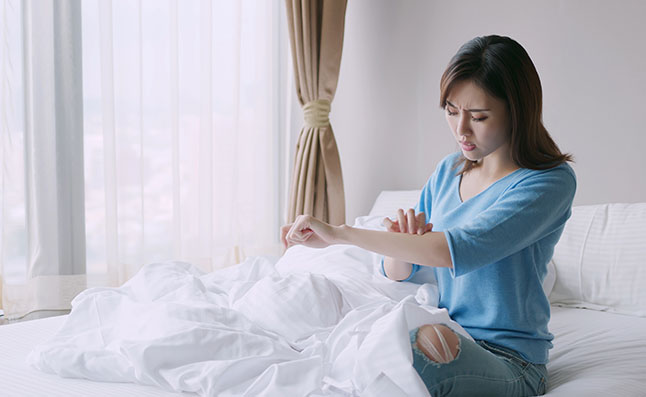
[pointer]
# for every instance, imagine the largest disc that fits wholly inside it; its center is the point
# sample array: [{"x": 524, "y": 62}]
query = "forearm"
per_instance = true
[
  {"x": 397, "y": 270},
  {"x": 429, "y": 249}
]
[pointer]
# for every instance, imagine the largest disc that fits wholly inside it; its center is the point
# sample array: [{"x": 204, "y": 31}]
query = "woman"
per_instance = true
[{"x": 497, "y": 209}]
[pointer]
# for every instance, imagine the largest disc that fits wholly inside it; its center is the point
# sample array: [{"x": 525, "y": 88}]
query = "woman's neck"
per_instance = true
[{"x": 496, "y": 164}]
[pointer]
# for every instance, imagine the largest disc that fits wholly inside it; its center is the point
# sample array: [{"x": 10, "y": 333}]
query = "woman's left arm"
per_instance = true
[{"x": 429, "y": 249}]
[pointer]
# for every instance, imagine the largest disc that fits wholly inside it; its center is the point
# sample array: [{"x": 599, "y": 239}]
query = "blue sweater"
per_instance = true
[{"x": 500, "y": 242}]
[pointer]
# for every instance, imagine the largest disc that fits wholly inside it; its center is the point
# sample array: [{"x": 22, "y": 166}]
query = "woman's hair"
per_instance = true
[{"x": 503, "y": 69}]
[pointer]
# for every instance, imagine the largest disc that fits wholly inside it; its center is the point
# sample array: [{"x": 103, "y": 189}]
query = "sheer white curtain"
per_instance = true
[
  {"x": 183, "y": 146},
  {"x": 42, "y": 218}
]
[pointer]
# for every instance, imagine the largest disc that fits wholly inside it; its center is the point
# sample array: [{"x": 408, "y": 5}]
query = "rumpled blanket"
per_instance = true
[{"x": 316, "y": 322}]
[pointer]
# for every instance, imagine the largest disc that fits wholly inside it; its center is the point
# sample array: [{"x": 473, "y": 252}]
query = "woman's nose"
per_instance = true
[{"x": 464, "y": 126}]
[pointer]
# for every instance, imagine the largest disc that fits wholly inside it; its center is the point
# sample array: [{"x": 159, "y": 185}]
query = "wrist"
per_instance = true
[{"x": 342, "y": 234}]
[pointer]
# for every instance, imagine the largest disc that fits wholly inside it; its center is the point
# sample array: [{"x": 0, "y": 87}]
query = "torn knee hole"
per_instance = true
[{"x": 438, "y": 342}]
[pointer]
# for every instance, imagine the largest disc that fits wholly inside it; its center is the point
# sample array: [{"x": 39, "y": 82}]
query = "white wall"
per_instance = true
[{"x": 590, "y": 55}]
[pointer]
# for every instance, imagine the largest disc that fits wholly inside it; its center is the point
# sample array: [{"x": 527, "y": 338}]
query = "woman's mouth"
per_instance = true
[{"x": 467, "y": 146}]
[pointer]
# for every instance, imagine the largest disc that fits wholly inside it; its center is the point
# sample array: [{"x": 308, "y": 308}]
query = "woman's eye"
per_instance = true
[{"x": 450, "y": 113}]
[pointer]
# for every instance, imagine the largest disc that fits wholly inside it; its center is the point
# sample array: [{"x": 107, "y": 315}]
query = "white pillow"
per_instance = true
[
  {"x": 389, "y": 201},
  {"x": 600, "y": 259}
]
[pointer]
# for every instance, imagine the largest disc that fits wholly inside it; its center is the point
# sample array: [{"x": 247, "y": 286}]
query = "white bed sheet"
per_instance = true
[
  {"x": 596, "y": 354},
  {"x": 18, "y": 379}
]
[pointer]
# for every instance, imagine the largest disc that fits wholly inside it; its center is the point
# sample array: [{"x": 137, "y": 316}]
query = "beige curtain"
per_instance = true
[{"x": 316, "y": 37}]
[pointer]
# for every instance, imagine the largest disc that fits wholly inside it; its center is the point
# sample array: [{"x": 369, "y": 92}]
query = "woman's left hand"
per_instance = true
[{"x": 311, "y": 232}]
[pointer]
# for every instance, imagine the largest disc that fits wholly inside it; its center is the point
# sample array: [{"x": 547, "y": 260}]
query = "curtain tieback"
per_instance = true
[{"x": 316, "y": 113}]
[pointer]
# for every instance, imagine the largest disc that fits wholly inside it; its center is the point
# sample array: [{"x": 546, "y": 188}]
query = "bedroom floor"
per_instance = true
[{"x": 34, "y": 316}]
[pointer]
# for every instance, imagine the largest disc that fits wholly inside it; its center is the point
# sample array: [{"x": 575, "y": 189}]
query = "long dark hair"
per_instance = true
[{"x": 503, "y": 69}]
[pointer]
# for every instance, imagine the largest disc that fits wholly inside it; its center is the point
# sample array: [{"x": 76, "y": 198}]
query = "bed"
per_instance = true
[{"x": 323, "y": 323}]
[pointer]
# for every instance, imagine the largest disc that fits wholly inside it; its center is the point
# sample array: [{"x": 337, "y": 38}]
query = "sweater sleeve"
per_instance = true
[{"x": 523, "y": 215}]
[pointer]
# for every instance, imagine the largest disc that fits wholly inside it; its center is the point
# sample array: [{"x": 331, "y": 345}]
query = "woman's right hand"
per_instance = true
[{"x": 408, "y": 223}]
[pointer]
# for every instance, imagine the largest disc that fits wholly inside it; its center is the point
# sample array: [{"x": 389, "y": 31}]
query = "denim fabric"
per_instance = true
[{"x": 479, "y": 369}]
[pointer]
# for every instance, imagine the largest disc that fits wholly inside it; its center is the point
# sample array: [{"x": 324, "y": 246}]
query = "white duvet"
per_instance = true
[{"x": 316, "y": 322}]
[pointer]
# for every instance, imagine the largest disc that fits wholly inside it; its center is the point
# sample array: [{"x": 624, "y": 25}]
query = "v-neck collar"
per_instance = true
[{"x": 486, "y": 189}]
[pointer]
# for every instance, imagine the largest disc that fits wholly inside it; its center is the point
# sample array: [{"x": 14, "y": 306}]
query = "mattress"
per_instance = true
[{"x": 595, "y": 354}]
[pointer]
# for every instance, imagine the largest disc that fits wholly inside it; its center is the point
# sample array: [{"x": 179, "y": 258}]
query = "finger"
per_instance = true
[
  {"x": 283, "y": 234},
  {"x": 296, "y": 240},
  {"x": 299, "y": 235},
  {"x": 293, "y": 234},
  {"x": 428, "y": 227},
  {"x": 391, "y": 226},
  {"x": 401, "y": 217},
  {"x": 288, "y": 236},
  {"x": 420, "y": 223},
  {"x": 410, "y": 217}
]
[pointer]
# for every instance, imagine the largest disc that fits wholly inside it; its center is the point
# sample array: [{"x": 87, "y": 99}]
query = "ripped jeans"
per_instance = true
[{"x": 479, "y": 369}]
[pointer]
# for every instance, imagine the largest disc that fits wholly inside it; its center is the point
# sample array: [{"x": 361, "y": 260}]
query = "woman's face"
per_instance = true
[{"x": 480, "y": 122}]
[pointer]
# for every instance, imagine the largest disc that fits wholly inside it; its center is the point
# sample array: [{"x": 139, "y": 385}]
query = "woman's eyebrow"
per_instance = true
[{"x": 470, "y": 110}]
